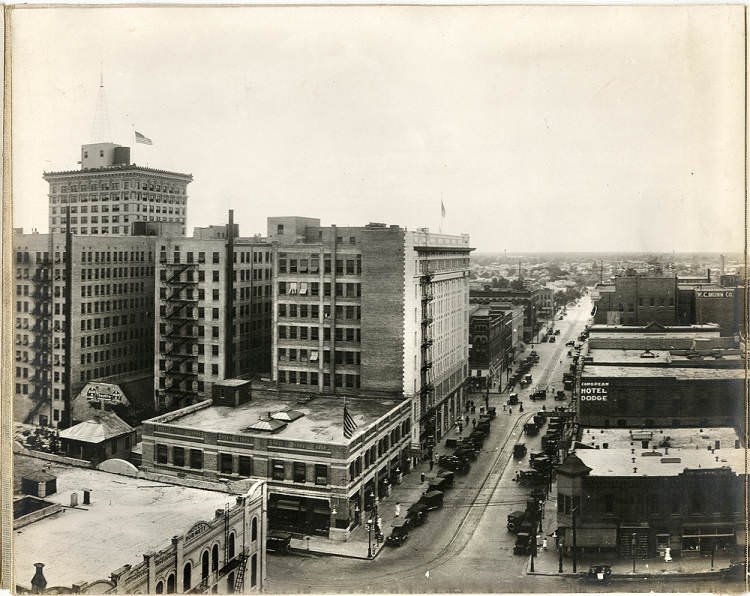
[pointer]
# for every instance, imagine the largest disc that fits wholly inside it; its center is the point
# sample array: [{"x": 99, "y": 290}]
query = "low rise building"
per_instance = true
[
  {"x": 640, "y": 396},
  {"x": 319, "y": 480},
  {"x": 128, "y": 535},
  {"x": 654, "y": 336},
  {"x": 637, "y": 502},
  {"x": 102, "y": 436}
]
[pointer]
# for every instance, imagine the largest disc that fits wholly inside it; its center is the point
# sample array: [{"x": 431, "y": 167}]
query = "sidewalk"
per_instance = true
[{"x": 406, "y": 493}]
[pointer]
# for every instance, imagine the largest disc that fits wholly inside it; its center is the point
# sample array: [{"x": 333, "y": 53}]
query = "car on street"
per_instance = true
[
  {"x": 519, "y": 450},
  {"x": 432, "y": 499},
  {"x": 399, "y": 533},
  {"x": 552, "y": 339},
  {"x": 570, "y": 343}
]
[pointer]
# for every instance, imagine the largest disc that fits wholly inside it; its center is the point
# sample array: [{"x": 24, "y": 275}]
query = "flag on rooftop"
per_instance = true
[
  {"x": 139, "y": 138},
  {"x": 349, "y": 424},
  {"x": 442, "y": 208}
]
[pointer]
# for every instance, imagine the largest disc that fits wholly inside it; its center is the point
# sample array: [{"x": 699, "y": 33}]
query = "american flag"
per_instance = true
[
  {"x": 139, "y": 138},
  {"x": 349, "y": 424}
]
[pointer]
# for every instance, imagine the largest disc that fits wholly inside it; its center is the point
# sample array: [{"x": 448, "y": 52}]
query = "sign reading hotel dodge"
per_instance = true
[{"x": 594, "y": 390}]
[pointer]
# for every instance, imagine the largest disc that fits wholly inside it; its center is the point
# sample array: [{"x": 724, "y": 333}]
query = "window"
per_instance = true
[
  {"x": 178, "y": 456},
  {"x": 299, "y": 472},
  {"x": 246, "y": 466},
  {"x": 186, "y": 573},
  {"x": 321, "y": 474},
  {"x": 254, "y": 530},
  {"x": 225, "y": 463},
  {"x": 277, "y": 469},
  {"x": 196, "y": 459},
  {"x": 161, "y": 454}
]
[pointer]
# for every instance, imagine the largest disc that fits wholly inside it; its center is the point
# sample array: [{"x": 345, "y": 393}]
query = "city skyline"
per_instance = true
[{"x": 347, "y": 114}]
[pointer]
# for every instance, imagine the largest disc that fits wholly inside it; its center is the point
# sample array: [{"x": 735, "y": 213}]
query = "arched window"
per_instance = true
[
  {"x": 254, "y": 531},
  {"x": 231, "y": 546},
  {"x": 170, "y": 584},
  {"x": 160, "y": 588},
  {"x": 204, "y": 565},
  {"x": 215, "y": 558},
  {"x": 186, "y": 571}
]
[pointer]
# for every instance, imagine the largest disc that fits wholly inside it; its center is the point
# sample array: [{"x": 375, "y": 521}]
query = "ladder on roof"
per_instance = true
[{"x": 239, "y": 580}]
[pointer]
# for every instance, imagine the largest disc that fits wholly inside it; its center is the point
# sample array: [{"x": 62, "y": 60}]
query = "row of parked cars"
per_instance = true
[{"x": 416, "y": 514}]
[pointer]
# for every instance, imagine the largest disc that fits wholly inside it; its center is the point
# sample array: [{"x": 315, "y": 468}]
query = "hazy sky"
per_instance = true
[{"x": 542, "y": 128}]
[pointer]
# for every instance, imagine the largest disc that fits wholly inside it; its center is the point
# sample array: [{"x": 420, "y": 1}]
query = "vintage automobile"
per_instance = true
[
  {"x": 451, "y": 443},
  {"x": 552, "y": 339},
  {"x": 449, "y": 477},
  {"x": 520, "y": 521},
  {"x": 513, "y": 399},
  {"x": 539, "y": 420},
  {"x": 557, "y": 332},
  {"x": 492, "y": 412},
  {"x": 417, "y": 514},
  {"x": 598, "y": 574},
  {"x": 531, "y": 477},
  {"x": 432, "y": 499},
  {"x": 539, "y": 394},
  {"x": 453, "y": 463},
  {"x": 519, "y": 450},
  {"x": 531, "y": 429},
  {"x": 399, "y": 533},
  {"x": 543, "y": 464},
  {"x": 278, "y": 542},
  {"x": 465, "y": 453},
  {"x": 441, "y": 484},
  {"x": 570, "y": 343},
  {"x": 524, "y": 544},
  {"x": 560, "y": 395}
]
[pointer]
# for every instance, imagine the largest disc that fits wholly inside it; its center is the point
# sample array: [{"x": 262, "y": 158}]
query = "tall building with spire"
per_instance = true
[{"x": 109, "y": 192}]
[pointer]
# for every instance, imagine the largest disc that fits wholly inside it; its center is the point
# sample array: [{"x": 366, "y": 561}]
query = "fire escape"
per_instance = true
[
  {"x": 180, "y": 337},
  {"x": 41, "y": 344},
  {"x": 427, "y": 396}
]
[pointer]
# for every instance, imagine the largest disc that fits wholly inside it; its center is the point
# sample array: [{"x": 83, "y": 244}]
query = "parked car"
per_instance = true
[
  {"x": 399, "y": 533},
  {"x": 560, "y": 395},
  {"x": 530, "y": 429},
  {"x": 449, "y": 476},
  {"x": 432, "y": 499},
  {"x": 552, "y": 339},
  {"x": 513, "y": 399},
  {"x": 531, "y": 477},
  {"x": 539, "y": 420},
  {"x": 541, "y": 394},
  {"x": 519, "y": 450},
  {"x": 523, "y": 543},
  {"x": 453, "y": 463},
  {"x": 570, "y": 343},
  {"x": 417, "y": 514},
  {"x": 438, "y": 484}
]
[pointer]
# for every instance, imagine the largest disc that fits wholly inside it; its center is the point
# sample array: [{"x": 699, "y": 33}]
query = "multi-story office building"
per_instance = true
[
  {"x": 373, "y": 309},
  {"x": 109, "y": 193},
  {"x": 494, "y": 333},
  {"x": 109, "y": 297},
  {"x": 214, "y": 312},
  {"x": 530, "y": 298}
]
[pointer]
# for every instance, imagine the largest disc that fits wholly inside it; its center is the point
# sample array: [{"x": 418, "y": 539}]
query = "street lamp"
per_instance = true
[
  {"x": 575, "y": 550},
  {"x": 632, "y": 548},
  {"x": 369, "y": 538},
  {"x": 561, "y": 545}
]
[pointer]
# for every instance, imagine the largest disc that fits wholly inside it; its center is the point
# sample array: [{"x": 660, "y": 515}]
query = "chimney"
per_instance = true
[
  {"x": 635, "y": 470},
  {"x": 666, "y": 450},
  {"x": 38, "y": 582},
  {"x": 708, "y": 274},
  {"x": 74, "y": 499}
]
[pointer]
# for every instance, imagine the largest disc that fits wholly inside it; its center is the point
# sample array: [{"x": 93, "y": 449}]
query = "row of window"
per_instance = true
[
  {"x": 373, "y": 453},
  {"x": 303, "y": 288},
  {"x": 89, "y": 273},
  {"x": 311, "y": 264},
  {"x": 115, "y": 185},
  {"x": 302, "y": 355},
  {"x": 303, "y": 377},
  {"x": 350, "y": 334},
  {"x": 630, "y": 503},
  {"x": 64, "y": 199},
  {"x": 88, "y": 290},
  {"x": 312, "y": 311}
]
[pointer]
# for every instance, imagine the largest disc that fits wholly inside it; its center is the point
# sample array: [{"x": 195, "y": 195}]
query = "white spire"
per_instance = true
[{"x": 101, "y": 132}]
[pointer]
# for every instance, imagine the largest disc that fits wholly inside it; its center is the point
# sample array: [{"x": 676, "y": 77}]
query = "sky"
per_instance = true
[{"x": 539, "y": 128}]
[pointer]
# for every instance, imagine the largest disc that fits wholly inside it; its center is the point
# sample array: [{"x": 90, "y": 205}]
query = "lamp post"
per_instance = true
[
  {"x": 560, "y": 557},
  {"x": 369, "y": 539},
  {"x": 533, "y": 554},
  {"x": 632, "y": 548},
  {"x": 575, "y": 550}
]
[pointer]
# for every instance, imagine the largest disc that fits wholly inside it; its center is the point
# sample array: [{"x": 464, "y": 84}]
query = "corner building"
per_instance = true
[{"x": 373, "y": 310}]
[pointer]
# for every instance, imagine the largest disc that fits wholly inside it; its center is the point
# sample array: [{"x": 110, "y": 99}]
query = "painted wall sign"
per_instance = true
[{"x": 594, "y": 390}]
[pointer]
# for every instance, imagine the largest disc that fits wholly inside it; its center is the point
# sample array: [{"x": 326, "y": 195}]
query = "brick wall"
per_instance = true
[{"x": 382, "y": 309}]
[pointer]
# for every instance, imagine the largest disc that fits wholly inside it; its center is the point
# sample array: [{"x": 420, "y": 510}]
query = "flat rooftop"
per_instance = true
[
  {"x": 675, "y": 358},
  {"x": 694, "y": 373},
  {"x": 679, "y": 438},
  {"x": 619, "y": 462},
  {"x": 613, "y": 356},
  {"x": 127, "y": 517},
  {"x": 322, "y": 420}
]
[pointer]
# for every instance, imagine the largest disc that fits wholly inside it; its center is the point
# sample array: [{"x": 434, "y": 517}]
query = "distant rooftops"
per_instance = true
[
  {"x": 659, "y": 438},
  {"x": 679, "y": 373}
]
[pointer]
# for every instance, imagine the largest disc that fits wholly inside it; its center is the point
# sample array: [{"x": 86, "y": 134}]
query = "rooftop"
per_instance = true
[
  {"x": 322, "y": 419},
  {"x": 609, "y": 356},
  {"x": 101, "y": 427},
  {"x": 679, "y": 438},
  {"x": 679, "y": 373},
  {"x": 619, "y": 462},
  {"x": 127, "y": 517}
]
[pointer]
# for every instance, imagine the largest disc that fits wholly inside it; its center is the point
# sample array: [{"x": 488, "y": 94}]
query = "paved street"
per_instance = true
[{"x": 465, "y": 546}]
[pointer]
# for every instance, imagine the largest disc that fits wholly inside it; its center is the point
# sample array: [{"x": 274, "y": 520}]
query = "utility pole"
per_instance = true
[{"x": 575, "y": 549}]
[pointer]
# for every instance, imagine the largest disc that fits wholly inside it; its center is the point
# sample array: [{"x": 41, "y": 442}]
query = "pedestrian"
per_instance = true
[
  {"x": 467, "y": 420},
  {"x": 504, "y": 407},
  {"x": 432, "y": 463},
  {"x": 398, "y": 510},
  {"x": 510, "y": 411},
  {"x": 473, "y": 422}
]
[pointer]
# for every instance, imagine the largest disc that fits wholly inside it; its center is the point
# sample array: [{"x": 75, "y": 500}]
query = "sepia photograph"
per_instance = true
[{"x": 375, "y": 299}]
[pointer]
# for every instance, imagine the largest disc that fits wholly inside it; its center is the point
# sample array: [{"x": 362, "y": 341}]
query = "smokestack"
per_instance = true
[
  {"x": 708, "y": 274},
  {"x": 38, "y": 582}
]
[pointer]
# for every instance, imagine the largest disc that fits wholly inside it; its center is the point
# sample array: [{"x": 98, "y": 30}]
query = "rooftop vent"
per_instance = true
[
  {"x": 286, "y": 415},
  {"x": 270, "y": 426},
  {"x": 671, "y": 460}
]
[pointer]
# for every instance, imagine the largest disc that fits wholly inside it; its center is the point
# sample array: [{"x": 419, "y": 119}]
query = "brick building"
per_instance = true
[
  {"x": 319, "y": 481},
  {"x": 111, "y": 317},
  {"x": 108, "y": 193},
  {"x": 494, "y": 334},
  {"x": 636, "y": 300},
  {"x": 531, "y": 299},
  {"x": 646, "y": 396},
  {"x": 636, "y": 502},
  {"x": 373, "y": 309},
  {"x": 213, "y": 312}
]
